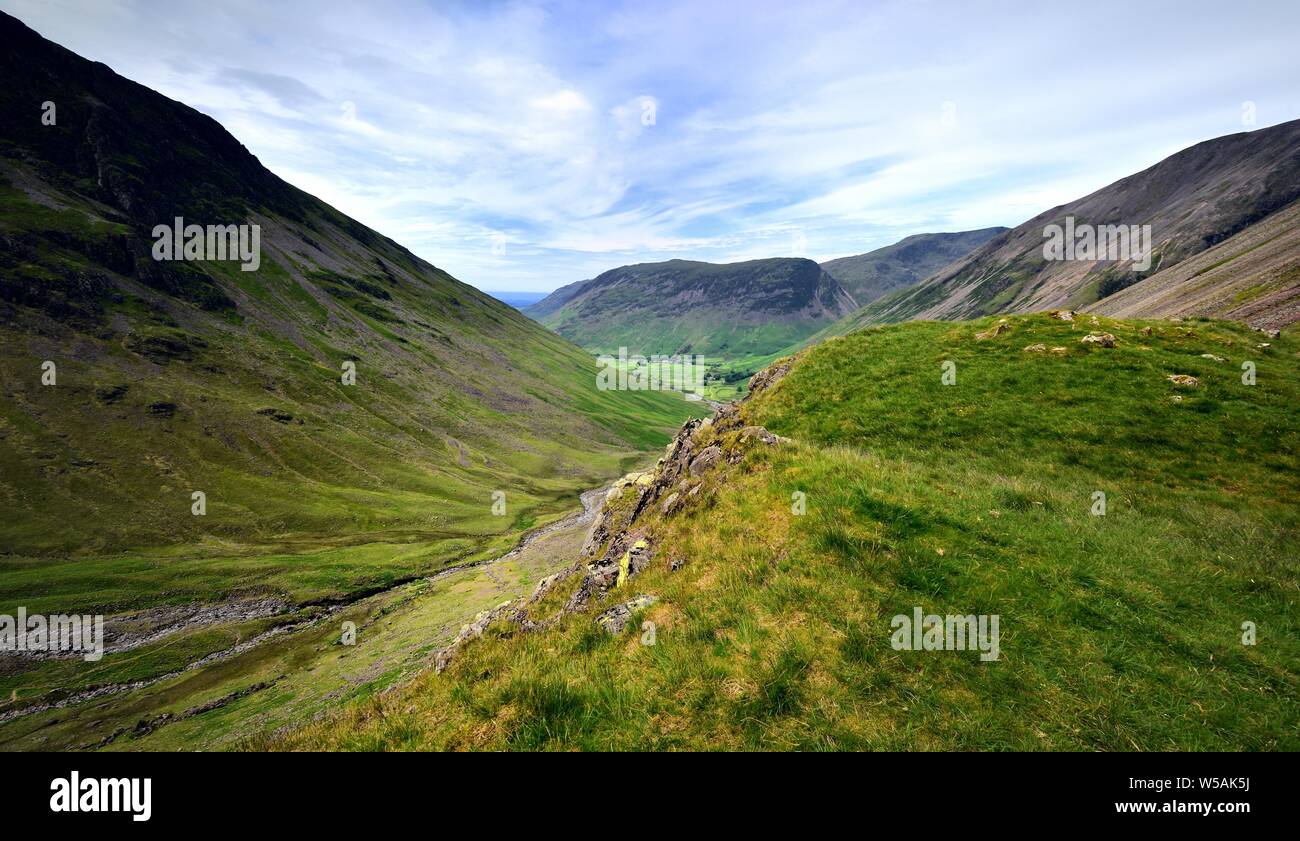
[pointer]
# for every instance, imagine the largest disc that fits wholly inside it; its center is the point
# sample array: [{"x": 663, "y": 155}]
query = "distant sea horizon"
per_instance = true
[{"x": 518, "y": 300}]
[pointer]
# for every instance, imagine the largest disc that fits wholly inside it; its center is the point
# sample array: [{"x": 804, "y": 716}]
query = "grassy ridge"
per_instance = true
[{"x": 1118, "y": 632}]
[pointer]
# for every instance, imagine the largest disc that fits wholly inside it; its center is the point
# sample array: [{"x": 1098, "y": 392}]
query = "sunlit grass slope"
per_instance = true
[{"x": 1120, "y": 631}]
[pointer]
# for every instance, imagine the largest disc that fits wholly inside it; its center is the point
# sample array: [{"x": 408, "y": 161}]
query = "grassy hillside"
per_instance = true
[
  {"x": 683, "y": 306},
  {"x": 185, "y": 377},
  {"x": 734, "y": 317},
  {"x": 1118, "y": 632}
]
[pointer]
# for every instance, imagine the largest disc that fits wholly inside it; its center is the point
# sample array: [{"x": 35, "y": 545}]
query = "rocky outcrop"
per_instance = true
[
  {"x": 699, "y": 448},
  {"x": 1103, "y": 339},
  {"x": 621, "y": 545},
  {"x": 508, "y": 611},
  {"x": 616, "y": 618},
  {"x": 769, "y": 376},
  {"x": 705, "y": 461}
]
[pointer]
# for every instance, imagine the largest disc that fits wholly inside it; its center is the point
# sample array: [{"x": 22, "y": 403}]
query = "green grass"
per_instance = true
[
  {"x": 18, "y": 212},
  {"x": 1118, "y": 632},
  {"x": 316, "y": 491}
]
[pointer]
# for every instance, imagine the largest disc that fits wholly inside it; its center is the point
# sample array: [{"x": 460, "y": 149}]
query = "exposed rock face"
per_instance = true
[
  {"x": 677, "y": 478},
  {"x": 1184, "y": 380},
  {"x": 616, "y": 618},
  {"x": 769, "y": 376},
  {"x": 996, "y": 330},
  {"x": 758, "y": 433},
  {"x": 705, "y": 460}
]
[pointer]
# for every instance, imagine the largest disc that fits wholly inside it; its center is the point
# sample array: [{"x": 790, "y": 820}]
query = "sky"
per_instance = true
[{"x": 521, "y": 146}]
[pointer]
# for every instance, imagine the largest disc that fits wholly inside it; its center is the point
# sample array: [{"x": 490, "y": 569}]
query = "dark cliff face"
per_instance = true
[
  {"x": 123, "y": 144},
  {"x": 77, "y": 135}
]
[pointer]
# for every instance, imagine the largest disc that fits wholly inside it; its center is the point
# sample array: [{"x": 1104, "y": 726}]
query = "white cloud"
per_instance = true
[{"x": 588, "y": 138}]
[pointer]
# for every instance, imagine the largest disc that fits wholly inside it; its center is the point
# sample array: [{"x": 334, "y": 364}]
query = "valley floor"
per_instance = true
[{"x": 284, "y": 667}]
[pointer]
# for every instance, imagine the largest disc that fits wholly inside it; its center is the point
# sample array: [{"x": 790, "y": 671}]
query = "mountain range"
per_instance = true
[
  {"x": 738, "y": 316},
  {"x": 686, "y": 306},
  {"x": 1211, "y": 196},
  {"x": 1220, "y": 218},
  {"x": 906, "y": 262}
]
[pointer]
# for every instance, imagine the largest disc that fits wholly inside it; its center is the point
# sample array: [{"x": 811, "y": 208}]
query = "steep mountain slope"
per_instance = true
[
  {"x": 906, "y": 262},
  {"x": 130, "y": 384},
  {"x": 684, "y": 306},
  {"x": 1254, "y": 276},
  {"x": 1192, "y": 200},
  {"x": 554, "y": 301},
  {"x": 1120, "y": 526}
]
